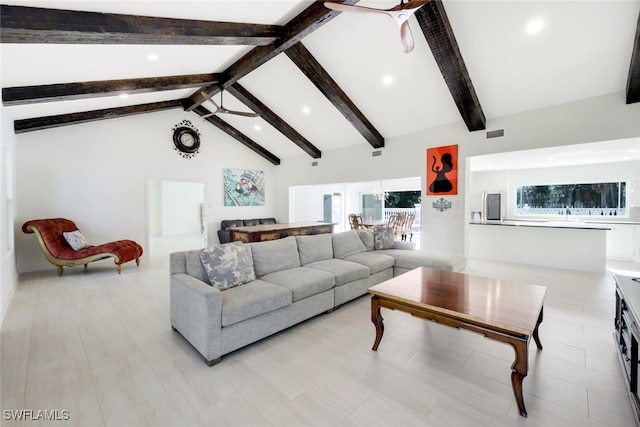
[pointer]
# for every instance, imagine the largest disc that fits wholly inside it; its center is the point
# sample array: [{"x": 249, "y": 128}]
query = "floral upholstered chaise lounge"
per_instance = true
[{"x": 59, "y": 236}]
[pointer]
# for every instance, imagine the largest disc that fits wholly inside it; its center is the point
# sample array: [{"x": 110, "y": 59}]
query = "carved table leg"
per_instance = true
[
  {"x": 377, "y": 319},
  {"x": 520, "y": 369},
  {"x": 535, "y": 331}
]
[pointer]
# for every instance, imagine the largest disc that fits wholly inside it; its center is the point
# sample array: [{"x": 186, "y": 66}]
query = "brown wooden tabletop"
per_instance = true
[{"x": 509, "y": 305}]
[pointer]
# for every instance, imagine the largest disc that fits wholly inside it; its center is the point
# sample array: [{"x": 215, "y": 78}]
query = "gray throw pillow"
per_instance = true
[
  {"x": 228, "y": 265},
  {"x": 383, "y": 237}
]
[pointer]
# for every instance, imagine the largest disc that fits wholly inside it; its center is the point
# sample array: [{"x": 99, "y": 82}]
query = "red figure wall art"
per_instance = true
[{"x": 442, "y": 171}]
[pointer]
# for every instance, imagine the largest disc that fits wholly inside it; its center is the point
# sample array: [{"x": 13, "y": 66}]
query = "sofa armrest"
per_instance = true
[
  {"x": 224, "y": 236},
  {"x": 196, "y": 312}
]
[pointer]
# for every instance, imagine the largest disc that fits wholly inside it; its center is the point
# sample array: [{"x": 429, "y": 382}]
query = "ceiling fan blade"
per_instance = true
[
  {"x": 244, "y": 114},
  {"x": 348, "y": 8},
  {"x": 399, "y": 13},
  {"x": 209, "y": 98},
  {"x": 238, "y": 113},
  {"x": 411, "y": 7},
  {"x": 406, "y": 37}
]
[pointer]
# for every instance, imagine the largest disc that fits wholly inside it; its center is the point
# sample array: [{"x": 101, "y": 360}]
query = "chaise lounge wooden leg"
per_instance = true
[
  {"x": 60, "y": 270},
  {"x": 119, "y": 266},
  {"x": 138, "y": 262}
]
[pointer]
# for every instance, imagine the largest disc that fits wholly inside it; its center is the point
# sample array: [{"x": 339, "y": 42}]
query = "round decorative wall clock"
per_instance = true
[{"x": 186, "y": 139}]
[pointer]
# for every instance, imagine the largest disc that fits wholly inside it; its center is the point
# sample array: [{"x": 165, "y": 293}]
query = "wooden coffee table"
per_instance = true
[{"x": 505, "y": 311}]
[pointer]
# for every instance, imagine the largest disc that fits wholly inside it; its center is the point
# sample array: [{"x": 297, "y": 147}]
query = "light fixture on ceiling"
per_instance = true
[
  {"x": 535, "y": 26},
  {"x": 124, "y": 95},
  {"x": 387, "y": 80},
  {"x": 257, "y": 127},
  {"x": 306, "y": 110},
  {"x": 380, "y": 194},
  {"x": 152, "y": 57}
]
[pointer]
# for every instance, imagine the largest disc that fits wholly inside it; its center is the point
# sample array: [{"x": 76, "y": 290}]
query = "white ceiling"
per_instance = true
[{"x": 583, "y": 51}]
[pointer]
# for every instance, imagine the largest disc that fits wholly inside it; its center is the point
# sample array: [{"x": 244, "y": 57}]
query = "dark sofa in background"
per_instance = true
[{"x": 224, "y": 234}]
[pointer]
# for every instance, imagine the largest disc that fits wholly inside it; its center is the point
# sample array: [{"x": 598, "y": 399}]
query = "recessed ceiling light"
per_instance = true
[
  {"x": 387, "y": 80},
  {"x": 152, "y": 57},
  {"x": 124, "y": 95},
  {"x": 257, "y": 127},
  {"x": 535, "y": 26},
  {"x": 306, "y": 110}
]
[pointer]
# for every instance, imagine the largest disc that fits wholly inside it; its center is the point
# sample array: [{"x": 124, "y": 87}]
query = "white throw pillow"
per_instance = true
[{"x": 76, "y": 240}]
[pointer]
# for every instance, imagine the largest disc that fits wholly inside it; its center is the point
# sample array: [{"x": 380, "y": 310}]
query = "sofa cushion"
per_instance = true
[
  {"x": 267, "y": 221},
  {"x": 274, "y": 255},
  {"x": 382, "y": 237},
  {"x": 228, "y": 265},
  {"x": 432, "y": 259},
  {"x": 347, "y": 243},
  {"x": 76, "y": 240},
  {"x": 344, "y": 271},
  {"x": 366, "y": 235},
  {"x": 194, "y": 266},
  {"x": 314, "y": 248},
  {"x": 376, "y": 262},
  {"x": 302, "y": 281},
  {"x": 250, "y": 222},
  {"x": 251, "y": 300}
]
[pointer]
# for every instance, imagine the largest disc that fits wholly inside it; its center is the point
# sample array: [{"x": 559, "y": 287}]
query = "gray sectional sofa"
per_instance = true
[{"x": 296, "y": 278}]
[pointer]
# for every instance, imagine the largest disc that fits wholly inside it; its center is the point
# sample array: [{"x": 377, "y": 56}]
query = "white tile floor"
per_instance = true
[{"x": 99, "y": 345}]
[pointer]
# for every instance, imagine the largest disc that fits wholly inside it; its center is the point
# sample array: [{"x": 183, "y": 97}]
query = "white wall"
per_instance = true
[
  {"x": 596, "y": 119},
  {"x": 96, "y": 174},
  {"x": 8, "y": 271}
]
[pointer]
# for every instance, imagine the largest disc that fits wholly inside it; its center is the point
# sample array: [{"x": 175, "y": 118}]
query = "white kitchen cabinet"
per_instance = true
[{"x": 623, "y": 242}]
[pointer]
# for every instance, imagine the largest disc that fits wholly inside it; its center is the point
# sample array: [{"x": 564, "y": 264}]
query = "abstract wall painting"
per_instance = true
[
  {"x": 243, "y": 187},
  {"x": 442, "y": 170}
]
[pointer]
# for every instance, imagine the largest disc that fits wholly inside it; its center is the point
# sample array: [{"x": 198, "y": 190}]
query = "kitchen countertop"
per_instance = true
[{"x": 583, "y": 225}]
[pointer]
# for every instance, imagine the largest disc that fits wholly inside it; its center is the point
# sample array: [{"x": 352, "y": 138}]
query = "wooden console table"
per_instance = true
[
  {"x": 260, "y": 233},
  {"x": 505, "y": 311}
]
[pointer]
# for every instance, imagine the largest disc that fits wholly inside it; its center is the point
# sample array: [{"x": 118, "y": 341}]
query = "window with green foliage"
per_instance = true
[
  {"x": 596, "y": 199},
  {"x": 403, "y": 199}
]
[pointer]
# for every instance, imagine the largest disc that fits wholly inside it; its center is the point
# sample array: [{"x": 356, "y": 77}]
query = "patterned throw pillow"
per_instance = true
[
  {"x": 383, "y": 237},
  {"x": 76, "y": 240},
  {"x": 228, "y": 265}
]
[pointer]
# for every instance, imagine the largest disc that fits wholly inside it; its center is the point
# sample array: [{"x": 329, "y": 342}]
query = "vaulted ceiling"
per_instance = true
[{"x": 319, "y": 79}]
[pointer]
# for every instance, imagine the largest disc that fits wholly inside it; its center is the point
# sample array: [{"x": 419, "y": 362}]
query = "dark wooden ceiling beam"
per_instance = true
[
  {"x": 309, "y": 20},
  {"x": 20, "y": 24},
  {"x": 311, "y": 68},
  {"x": 48, "y": 122},
  {"x": 237, "y": 135},
  {"x": 633, "y": 80},
  {"x": 273, "y": 119},
  {"x": 437, "y": 31},
  {"x": 21, "y": 95}
]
